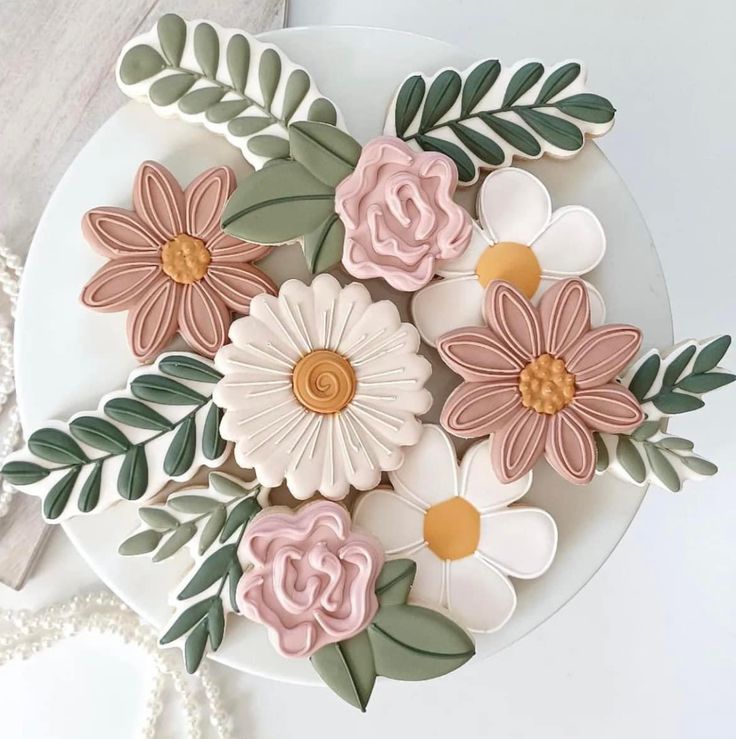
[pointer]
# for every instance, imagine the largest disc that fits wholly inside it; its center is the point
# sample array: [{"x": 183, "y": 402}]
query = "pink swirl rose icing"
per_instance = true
[
  {"x": 313, "y": 579},
  {"x": 399, "y": 214}
]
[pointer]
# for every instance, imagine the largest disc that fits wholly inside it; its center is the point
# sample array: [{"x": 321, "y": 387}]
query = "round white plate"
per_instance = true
[{"x": 68, "y": 356}]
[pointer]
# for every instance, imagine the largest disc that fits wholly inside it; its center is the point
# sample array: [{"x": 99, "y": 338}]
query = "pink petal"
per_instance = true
[
  {"x": 115, "y": 232},
  {"x": 203, "y": 319},
  {"x": 476, "y": 354},
  {"x": 610, "y": 408},
  {"x": 121, "y": 282},
  {"x": 514, "y": 320},
  {"x": 599, "y": 355},
  {"x": 517, "y": 447},
  {"x": 238, "y": 284},
  {"x": 152, "y": 323},
  {"x": 205, "y": 198},
  {"x": 479, "y": 408},
  {"x": 565, "y": 313},
  {"x": 570, "y": 447},
  {"x": 226, "y": 248},
  {"x": 159, "y": 200}
]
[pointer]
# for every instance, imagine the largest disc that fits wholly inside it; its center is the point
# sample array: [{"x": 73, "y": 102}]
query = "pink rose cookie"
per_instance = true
[
  {"x": 171, "y": 266},
  {"x": 399, "y": 214},
  {"x": 541, "y": 380},
  {"x": 313, "y": 579}
]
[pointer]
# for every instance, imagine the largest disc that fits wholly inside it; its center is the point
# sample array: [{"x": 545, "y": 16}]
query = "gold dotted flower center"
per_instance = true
[
  {"x": 185, "y": 259},
  {"x": 545, "y": 385},
  {"x": 452, "y": 528},
  {"x": 324, "y": 381}
]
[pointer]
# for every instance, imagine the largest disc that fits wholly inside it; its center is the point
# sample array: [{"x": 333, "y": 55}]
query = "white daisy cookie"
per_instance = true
[
  {"x": 519, "y": 239},
  {"x": 458, "y": 523}
]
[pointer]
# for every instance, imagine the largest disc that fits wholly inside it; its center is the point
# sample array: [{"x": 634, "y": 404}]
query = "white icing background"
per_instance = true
[{"x": 647, "y": 648}]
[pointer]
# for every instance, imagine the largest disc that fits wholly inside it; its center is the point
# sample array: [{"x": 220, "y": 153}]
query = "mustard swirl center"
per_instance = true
[
  {"x": 185, "y": 259},
  {"x": 545, "y": 385},
  {"x": 324, "y": 381}
]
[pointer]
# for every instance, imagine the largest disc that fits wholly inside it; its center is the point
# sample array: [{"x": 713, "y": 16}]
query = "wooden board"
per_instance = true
[{"x": 57, "y": 88}]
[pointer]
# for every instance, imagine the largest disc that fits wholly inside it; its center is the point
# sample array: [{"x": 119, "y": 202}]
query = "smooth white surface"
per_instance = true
[
  {"x": 647, "y": 648},
  {"x": 59, "y": 363}
]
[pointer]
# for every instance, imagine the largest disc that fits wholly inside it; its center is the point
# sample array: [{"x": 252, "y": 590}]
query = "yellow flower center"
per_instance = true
[
  {"x": 546, "y": 385},
  {"x": 452, "y": 528},
  {"x": 515, "y": 263},
  {"x": 185, "y": 259},
  {"x": 324, "y": 381}
]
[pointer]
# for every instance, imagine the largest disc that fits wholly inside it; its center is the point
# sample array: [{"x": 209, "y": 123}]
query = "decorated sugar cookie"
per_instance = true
[
  {"x": 171, "y": 266},
  {"x": 313, "y": 579},
  {"x": 455, "y": 522},
  {"x": 540, "y": 380},
  {"x": 519, "y": 240},
  {"x": 399, "y": 216},
  {"x": 487, "y": 114},
  {"x": 322, "y": 388}
]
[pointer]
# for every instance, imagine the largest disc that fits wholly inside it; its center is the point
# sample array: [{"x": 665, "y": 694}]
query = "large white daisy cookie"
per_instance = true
[
  {"x": 458, "y": 524},
  {"x": 321, "y": 387},
  {"x": 520, "y": 240}
]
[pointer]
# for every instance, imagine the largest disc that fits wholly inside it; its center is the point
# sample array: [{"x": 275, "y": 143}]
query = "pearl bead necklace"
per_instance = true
[
  {"x": 10, "y": 272},
  {"x": 25, "y": 633}
]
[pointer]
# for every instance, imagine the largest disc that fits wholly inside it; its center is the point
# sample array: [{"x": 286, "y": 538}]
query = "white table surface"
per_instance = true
[{"x": 648, "y": 649}]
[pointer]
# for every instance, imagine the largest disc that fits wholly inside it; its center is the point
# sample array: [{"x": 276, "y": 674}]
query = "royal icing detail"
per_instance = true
[
  {"x": 321, "y": 387},
  {"x": 226, "y": 80},
  {"x": 485, "y": 115},
  {"x": 520, "y": 240},
  {"x": 517, "y": 385},
  {"x": 171, "y": 266},
  {"x": 399, "y": 215},
  {"x": 458, "y": 524},
  {"x": 162, "y": 427},
  {"x": 313, "y": 578}
]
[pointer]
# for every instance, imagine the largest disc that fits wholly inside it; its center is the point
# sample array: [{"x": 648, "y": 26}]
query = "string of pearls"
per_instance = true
[
  {"x": 11, "y": 268},
  {"x": 24, "y": 633}
]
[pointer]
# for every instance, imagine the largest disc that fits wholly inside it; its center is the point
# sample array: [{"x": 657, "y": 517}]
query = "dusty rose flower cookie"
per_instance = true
[
  {"x": 399, "y": 214},
  {"x": 541, "y": 380},
  {"x": 171, "y": 266}
]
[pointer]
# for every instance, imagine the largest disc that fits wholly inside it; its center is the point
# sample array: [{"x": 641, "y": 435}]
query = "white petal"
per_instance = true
[
  {"x": 597, "y": 306},
  {"x": 465, "y": 264},
  {"x": 479, "y": 484},
  {"x": 350, "y": 307},
  {"x": 572, "y": 244},
  {"x": 513, "y": 205},
  {"x": 520, "y": 541},
  {"x": 429, "y": 583},
  {"x": 394, "y": 521},
  {"x": 480, "y": 597},
  {"x": 429, "y": 474},
  {"x": 447, "y": 304}
]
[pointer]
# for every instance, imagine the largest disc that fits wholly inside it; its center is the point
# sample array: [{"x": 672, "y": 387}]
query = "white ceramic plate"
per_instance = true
[{"x": 68, "y": 356}]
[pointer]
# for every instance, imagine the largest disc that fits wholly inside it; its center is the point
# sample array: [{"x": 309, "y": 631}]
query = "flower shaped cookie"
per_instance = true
[
  {"x": 399, "y": 214},
  {"x": 520, "y": 240},
  {"x": 313, "y": 579},
  {"x": 171, "y": 266},
  {"x": 540, "y": 380},
  {"x": 322, "y": 387},
  {"x": 456, "y": 523}
]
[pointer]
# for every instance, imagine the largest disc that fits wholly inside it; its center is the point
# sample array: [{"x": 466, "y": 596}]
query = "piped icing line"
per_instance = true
[
  {"x": 485, "y": 115},
  {"x": 225, "y": 79},
  {"x": 336, "y": 566},
  {"x": 534, "y": 404},
  {"x": 315, "y": 422},
  {"x": 170, "y": 279},
  {"x": 399, "y": 215}
]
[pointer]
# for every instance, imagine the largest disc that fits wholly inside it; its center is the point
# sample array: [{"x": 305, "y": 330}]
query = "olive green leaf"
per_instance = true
[
  {"x": 522, "y": 81},
  {"x": 133, "y": 476},
  {"x": 172, "y": 35},
  {"x": 297, "y": 87},
  {"x": 57, "y": 498},
  {"x": 169, "y": 89},
  {"x": 141, "y": 543},
  {"x": 630, "y": 459},
  {"x": 408, "y": 101},
  {"x": 711, "y": 354},
  {"x": 180, "y": 454},
  {"x": 207, "y": 49},
  {"x": 214, "y": 568},
  {"x": 325, "y": 151},
  {"x": 165, "y": 391},
  {"x": 644, "y": 377},
  {"x": 132, "y": 412},
  {"x": 478, "y": 84},
  {"x": 486, "y": 149},
  {"x": 99, "y": 433},
  {"x": 237, "y": 59},
  {"x": 512, "y": 133},
  {"x": 560, "y": 79},
  {"x": 175, "y": 541},
  {"x": 587, "y": 107},
  {"x": 89, "y": 495},
  {"x": 395, "y": 581},
  {"x": 322, "y": 111},
  {"x": 140, "y": 63},
  {"x": 269, "y": 74},
  {"x": 188, "y": 368},
  {"x": 54, "y": 445},
  {"x": 157, "y": 519},
  {"x": 558, "y": 131},
  {"x": 23, "y": 473},
  {"x": 323, "y": 246},
  {"x": 465, "y": 167},
  {"x": 441, "y": 96},
  {"x": 187, "y": 620}
]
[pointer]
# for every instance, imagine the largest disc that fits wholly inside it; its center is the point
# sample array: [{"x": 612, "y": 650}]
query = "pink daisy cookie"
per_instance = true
[{"x": 170, "y": 264}]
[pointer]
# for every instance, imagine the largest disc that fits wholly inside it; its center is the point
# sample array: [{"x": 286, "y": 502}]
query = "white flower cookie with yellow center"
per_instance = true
[
  {"x": 457, "y": 522},
  {"x": 520, "y": 240}
]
